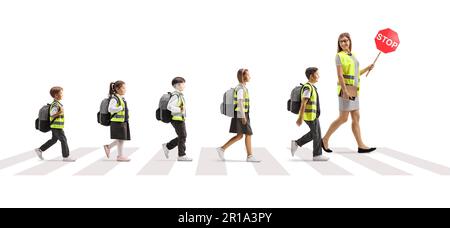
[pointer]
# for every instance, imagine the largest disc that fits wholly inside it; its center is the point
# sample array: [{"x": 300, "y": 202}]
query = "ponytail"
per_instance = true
[
  {"x": 112, "y": 90},
  {"x": 114, "y": 86}
]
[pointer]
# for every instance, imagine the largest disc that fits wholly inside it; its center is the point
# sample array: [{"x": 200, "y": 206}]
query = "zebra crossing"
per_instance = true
[{"x": 344, "y": 162}]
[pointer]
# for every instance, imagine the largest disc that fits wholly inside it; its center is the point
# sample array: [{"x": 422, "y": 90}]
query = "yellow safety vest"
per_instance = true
[
  {"x": 179, "y": 116},
  {"x": 246, "y": 99},
  {"x": 310, "y": 113},
  {"x": 58, "y": 122},
  {"x": 119, "y": 117},
  {"x": 350, "y": 71}
]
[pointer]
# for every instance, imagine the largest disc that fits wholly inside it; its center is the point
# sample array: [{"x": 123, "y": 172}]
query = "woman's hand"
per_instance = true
[
  {"x": 244, "y": 121},
  {"x": 345, "y": 94}
]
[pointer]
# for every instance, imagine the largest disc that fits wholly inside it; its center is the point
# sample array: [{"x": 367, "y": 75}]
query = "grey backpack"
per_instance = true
[
  {"x": 42, "y": 123},
  {"x": 227, "y": 107},
  {"x": 162, "y": 113},
  {"x": 294, "y": 103},
  {"x": 103, "y": 116}
]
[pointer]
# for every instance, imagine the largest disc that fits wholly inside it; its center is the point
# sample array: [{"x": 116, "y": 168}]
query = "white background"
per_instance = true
[{"x": 84, "y": 45}]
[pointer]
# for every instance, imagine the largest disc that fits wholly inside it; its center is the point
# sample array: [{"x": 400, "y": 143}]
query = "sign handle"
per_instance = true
[{"x": 367, "y": 75}]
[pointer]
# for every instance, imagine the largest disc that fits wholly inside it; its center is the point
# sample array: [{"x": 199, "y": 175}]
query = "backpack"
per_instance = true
[
  {"x": 162, "y": 113},
  {"x": 227, "y": 107},
  {"x": 294, "y": 103},
  {"x": 103, "y": 116},
  {"x": 42, "y": 123}
]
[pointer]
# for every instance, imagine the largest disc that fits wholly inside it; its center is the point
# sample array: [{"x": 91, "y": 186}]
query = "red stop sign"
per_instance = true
[{"x": 387, "y": 40}]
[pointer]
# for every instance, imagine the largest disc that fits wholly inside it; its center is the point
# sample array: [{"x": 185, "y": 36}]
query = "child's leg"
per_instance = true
[
  {"x": 113, "y": 144},
  {"x": 64, "y": 146},
  {"x": 50, "y": 142},
  {"x": 248, "y": 145},
  {"x": 308, "y": 137},
  {"x": 232, "y": 141},
  {"x": 174, "y": 142},
  {"x": 180, "y": 129},
  {"x": 317, "y": 137},
  {"x": 120, "y": 147}
]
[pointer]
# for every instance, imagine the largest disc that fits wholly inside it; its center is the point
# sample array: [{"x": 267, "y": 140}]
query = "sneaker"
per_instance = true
[
  {"x": 184, "y": 159},
  {"x": 220, "y": 152},
  {"x": 107, "y": 150},
  {"x": 320, "y": 158},
  {"x": 294, "y": 147},
  {"x": 68, "y": 159},
  {"x": 252, "y": 159},
  {"x": 123, "y": 159},
  {"x": 39, "y": 154},
  {"x": 166, "y": 150}
]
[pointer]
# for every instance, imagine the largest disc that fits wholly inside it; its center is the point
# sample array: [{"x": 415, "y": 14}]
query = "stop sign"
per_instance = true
[{"x": 387, "y": 40}]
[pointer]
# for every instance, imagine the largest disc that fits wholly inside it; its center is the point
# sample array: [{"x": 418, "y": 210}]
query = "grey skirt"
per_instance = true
[
  {"x": 348, "y": 105},
  {"x": 237, "y": 127}
]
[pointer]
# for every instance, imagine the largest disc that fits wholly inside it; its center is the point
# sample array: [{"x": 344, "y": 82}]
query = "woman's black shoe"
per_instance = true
[
  {"x": 364, "y": 151},
  {"x": 326, "y": 149}
]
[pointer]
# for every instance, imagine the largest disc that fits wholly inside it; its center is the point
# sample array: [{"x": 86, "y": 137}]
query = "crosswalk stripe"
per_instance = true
[
  {"x": 158, "y": 165},
  {"x": 8, "y": 162},
  {"x": 103, "y": 166},
  {"x": 209, "y": 164},
  {"x": 418, "y": 162},
  {"x": 268, "y": 166},
  {"x": 49, "y": 166},
  {"x": 328, "y": 168},
  {"x": 370, "y": 163}
]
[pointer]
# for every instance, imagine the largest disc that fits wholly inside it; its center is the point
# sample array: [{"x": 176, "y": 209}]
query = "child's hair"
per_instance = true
[
  {"x": 114, "y": 86},
  {"x": 310, "y": 71},
  {"x": 240, "y": 74},
  {"x": 178, "y": 80},
  {"x": 55, "y": 90}
]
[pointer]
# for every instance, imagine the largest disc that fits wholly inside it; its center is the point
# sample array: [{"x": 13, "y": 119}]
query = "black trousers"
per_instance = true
[
  {"x": 57, "y": 134},
  {"x": 180, "y": 140},
  {"x": 314, "y": 135}
]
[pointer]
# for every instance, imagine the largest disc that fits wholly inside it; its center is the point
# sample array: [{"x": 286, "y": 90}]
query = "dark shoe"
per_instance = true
[
  {"x": 326, "y": 149},
  {"x": 365, "y": 151}
]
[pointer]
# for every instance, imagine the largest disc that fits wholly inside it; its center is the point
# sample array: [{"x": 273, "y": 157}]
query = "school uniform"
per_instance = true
[
  {"x": 57, "y": 126},
  {"x": 236, "y": 126},
  {"x": 311, "y": 118},
  {"x": 120, "y": 127},
  {"x": 178, "y": 122}
]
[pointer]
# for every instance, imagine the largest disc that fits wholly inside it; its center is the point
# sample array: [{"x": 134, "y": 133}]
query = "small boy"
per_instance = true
[
  {"x": 57, "y": 126},
  {"x": 177, "y": 106},
  {"x": 310, "y": 112}
]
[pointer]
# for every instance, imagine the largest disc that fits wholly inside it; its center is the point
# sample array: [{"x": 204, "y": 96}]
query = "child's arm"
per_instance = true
[
  {"x": 302, "y": 111},
  {"x": 57, "y": 111}
]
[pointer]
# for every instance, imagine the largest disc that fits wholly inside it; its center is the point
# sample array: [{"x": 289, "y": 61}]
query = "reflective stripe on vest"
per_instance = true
[
  {"x": 349, "y": 70},
  {"x": 58, "y": 122},
  {"x": 179, "y": 116},
  {"x": 311, "y": 107},
  {"x": 120, "y": 116},
  {"x": 246, "y": 99}
]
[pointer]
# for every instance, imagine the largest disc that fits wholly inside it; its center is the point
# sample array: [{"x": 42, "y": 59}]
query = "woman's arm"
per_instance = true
[
  {"x": 370, "y": 67},
  {"x": 340, "y": 73}
]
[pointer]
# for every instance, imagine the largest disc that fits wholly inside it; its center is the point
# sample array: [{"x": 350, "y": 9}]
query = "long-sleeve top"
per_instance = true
[
  {"x": 173, "y": 103},
  {"x": 113, "y": 108}
]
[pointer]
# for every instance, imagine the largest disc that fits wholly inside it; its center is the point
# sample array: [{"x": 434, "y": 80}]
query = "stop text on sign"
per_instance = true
[{"x": 387, "y": 40}]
